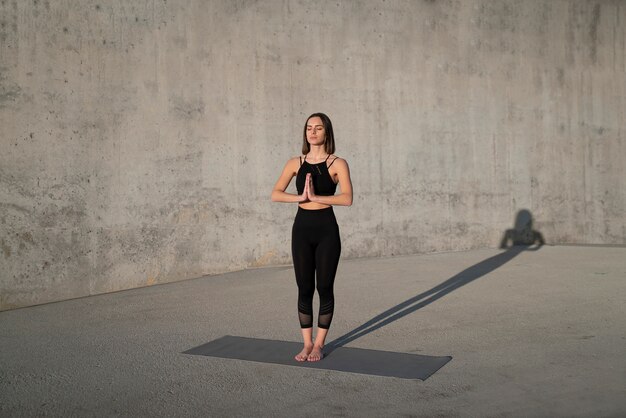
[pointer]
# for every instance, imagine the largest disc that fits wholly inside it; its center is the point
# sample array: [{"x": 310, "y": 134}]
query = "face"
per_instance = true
[{"x": 315, "y": 133}]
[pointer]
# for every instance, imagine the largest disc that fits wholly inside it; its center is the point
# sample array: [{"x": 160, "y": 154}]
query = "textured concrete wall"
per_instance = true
[{"x": 141, "y": 139}]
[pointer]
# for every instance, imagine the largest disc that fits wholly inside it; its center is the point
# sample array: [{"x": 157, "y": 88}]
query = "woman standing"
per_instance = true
[{"x": 315, "y": 241}]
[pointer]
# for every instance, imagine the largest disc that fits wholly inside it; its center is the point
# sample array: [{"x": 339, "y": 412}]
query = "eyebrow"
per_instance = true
[{"x": 313, "y": 125}]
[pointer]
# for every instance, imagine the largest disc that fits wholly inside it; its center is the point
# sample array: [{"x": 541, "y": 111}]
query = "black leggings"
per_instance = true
[{"x": 315, "y": 247}]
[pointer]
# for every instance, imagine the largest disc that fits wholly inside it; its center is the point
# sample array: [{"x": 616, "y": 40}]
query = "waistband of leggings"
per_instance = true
[
  {"x": 318, "y": 211},
  {"x": 316, "y": 215}
]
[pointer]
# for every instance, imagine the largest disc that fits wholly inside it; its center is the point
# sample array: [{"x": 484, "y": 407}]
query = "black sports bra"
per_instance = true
[{"x": 323, "y": 183}]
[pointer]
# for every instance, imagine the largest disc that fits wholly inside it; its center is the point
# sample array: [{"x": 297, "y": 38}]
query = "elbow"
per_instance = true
[{"x": 277, "y": 196}]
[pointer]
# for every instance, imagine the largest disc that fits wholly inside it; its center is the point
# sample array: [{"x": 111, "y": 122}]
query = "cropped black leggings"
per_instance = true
[{"x": 315, "y": 248}]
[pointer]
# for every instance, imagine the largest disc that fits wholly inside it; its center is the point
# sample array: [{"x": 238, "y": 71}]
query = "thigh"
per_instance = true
[
  {"x": 327, "y": 256},
  {"x": 303, "y": 255}
]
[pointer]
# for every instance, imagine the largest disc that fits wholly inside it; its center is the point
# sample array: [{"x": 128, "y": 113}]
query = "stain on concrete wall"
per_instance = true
[{"x": 141, "y": 139}]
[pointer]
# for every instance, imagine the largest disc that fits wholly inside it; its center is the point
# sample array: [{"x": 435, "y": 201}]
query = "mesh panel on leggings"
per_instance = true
[{"x": 306, "y": 320}]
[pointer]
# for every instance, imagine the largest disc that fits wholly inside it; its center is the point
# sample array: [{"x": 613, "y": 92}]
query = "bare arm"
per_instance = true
[
  {"x": 345, "y": 183},
  {"x": 278, "y": 193}
]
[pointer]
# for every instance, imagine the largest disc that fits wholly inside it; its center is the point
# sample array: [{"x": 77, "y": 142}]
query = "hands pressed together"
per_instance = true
[{"x": 308, "y": 195}]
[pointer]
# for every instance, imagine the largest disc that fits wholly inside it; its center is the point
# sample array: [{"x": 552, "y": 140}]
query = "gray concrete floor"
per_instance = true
[{"x": 539, "y": 333}]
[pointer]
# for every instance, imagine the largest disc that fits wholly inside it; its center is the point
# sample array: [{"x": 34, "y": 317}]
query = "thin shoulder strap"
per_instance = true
[
  {"x": 300, "y": 157},
  {"x": 327, "y": 158},
  {"x": 331, "y": 163}
]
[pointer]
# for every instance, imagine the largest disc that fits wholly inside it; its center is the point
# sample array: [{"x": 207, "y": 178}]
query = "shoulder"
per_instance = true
[
  {"x": 334, "y": 159},
  {"x": 292, "y": 164},
  {"x": 295, "y": 160},
  {"x": 338, "y": 165}
]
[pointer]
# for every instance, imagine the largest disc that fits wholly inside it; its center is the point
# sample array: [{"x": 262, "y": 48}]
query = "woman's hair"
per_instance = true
[{"x": 329, "y": 143}]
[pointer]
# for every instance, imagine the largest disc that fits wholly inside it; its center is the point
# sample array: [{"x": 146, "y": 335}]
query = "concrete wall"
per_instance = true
[{"x": 141, "y": 138}]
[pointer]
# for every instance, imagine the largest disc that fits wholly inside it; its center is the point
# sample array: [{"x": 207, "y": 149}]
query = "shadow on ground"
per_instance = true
[{"x": 522, "y": 237}]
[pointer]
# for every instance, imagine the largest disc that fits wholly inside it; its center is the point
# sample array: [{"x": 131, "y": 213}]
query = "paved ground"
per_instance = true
[{"x": 535, "y": 333}]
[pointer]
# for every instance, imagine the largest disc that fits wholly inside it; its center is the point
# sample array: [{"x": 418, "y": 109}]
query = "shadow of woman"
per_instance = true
[
  {"x": 523, "y": 219},
  {"x": 522, "y": 233}
]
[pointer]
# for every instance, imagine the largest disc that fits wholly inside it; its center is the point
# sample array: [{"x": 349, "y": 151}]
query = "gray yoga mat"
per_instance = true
[{"x": 345, "y": 359}]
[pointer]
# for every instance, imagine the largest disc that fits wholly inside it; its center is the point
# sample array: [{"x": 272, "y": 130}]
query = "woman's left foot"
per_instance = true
[{"x": 316, "y": 354}]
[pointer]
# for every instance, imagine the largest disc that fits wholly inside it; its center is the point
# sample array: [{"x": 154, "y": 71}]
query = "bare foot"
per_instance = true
[
  {"x": 316, "y": 354},
  {"x": 304, "y": 354}
]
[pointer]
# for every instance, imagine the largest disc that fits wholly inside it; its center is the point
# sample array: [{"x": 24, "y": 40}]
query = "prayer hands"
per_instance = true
[
  {"x": 309, "y": 193},
  {"x": 308, "y": 185}
]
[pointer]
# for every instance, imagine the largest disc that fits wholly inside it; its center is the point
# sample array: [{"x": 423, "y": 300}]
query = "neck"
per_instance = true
[{"x": 317, "y": 152}]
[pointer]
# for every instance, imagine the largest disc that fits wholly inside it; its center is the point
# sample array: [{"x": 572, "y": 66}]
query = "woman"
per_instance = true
[{"x": 315, "y": 244}]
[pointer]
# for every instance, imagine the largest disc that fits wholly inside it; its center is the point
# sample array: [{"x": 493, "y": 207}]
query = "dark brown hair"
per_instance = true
[{"x": 329, "y": 143}]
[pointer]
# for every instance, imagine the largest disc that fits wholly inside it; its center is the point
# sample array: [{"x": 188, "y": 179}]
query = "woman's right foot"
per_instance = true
[{"x": 304, "y": 354}]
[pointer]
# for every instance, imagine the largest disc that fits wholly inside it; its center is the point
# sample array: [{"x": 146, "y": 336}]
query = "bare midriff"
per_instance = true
[{"x": 313, "y": 205}]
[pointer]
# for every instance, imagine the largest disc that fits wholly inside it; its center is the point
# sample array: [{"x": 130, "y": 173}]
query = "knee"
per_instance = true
[
  {"x": 306, "y": 292},
  {"x": 325, "y": 290}
]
